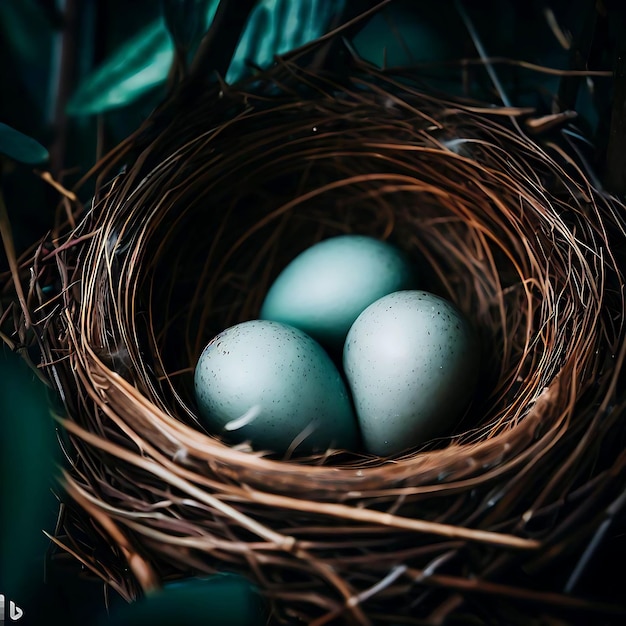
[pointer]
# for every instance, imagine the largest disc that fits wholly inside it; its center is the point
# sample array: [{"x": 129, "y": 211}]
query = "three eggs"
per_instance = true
[{"x": 409, "y": 357}]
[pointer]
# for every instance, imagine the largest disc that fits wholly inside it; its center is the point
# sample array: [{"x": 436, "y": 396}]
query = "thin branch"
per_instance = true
[{"x": 218, "y": 45}]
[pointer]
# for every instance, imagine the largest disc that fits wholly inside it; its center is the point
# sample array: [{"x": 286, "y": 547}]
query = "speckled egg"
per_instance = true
[
  {"x": 324, "y": 289},
  {"x": 273, "y": 385},
  {"x": 411, "y": 360}
]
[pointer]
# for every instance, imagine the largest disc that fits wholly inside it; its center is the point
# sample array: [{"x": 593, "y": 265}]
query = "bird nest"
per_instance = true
[{"x": 504, "y": 520}]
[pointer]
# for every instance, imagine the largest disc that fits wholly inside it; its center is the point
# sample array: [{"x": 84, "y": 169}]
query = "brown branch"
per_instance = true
[
  {"x": 218, "y": 45},
  {"x": 65, "y": 84}
]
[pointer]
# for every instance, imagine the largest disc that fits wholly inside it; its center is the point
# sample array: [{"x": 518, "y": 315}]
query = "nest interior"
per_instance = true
[{"x": 497, "y": 521}]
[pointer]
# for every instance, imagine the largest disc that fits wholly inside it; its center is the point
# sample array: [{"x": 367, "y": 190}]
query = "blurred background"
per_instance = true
[{"x": 78, "y": 76}]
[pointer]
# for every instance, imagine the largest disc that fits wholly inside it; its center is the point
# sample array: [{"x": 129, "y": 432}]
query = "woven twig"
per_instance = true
[{"x": 217, "y": 194}]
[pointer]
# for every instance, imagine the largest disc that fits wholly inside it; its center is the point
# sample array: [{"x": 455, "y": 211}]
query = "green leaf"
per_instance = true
[
  {"x": 143, "y": 62},
  {"x": 27, "y": 456},
  {"x": 135, "y": 68},
  {"x": 21, "y": 147},
  {"x": 278, "y": 26},
  {"x": 220, "y": 600},
  {"x": 398, "y": 36},
  {"x": 27, "y": 28}
]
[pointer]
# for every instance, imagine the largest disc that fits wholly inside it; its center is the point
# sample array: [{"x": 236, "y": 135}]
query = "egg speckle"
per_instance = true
[
  {"x": 411, "y": 360},
  {"x": 324, "y": 289},
  {"x": 271, "y": 384}
]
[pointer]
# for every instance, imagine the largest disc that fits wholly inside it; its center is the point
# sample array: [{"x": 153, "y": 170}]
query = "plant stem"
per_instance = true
[{"x": 65, "y": 83}]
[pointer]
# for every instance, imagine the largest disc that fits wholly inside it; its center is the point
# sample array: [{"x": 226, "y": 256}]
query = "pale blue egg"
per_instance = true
[
  {"x": 411, "y": 359},
  {"x": 324, "y": 289},
  {"x": 272, "y": 384}
]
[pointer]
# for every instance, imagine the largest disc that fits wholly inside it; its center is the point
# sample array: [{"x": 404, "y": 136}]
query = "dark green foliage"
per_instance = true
[
  {"x": 222, "y": 600},
  {"x": 136, "y": 67},
  {"x": 21, "y": 147},
  {"x": 27, "y": 454}
]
